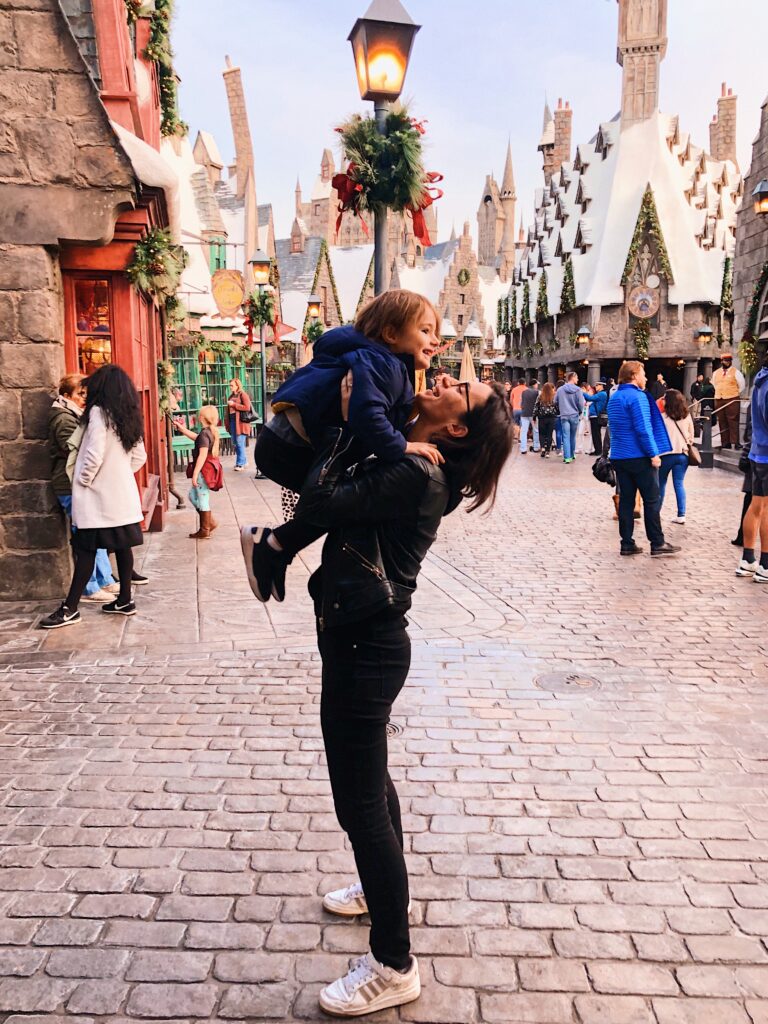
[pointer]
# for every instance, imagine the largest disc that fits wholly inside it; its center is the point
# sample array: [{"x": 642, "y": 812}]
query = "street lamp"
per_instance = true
[
  {"x": 760, "y": 196},
  {"x": 314, "y": 305},
  {"x": 261, "y": 265},
  {"x": 584, "y": 335},
  {"x": 381, "y": 45},
  {"x": 704, "y": 333}
]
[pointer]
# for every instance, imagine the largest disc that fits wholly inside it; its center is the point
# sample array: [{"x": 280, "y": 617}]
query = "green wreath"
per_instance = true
[
  {"x": 463, "y": 277},
  {"x": 157, "y": 265}
]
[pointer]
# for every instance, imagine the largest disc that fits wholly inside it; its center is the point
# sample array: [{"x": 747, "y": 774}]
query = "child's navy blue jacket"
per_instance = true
[{"x": 381, "y": 399}]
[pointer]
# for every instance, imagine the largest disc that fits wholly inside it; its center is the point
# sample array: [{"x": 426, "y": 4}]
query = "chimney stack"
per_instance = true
[
  {"x": 563, "y": 135},
  {"x": 722, "y": 131},
  {"x": 240, "y": 129}
]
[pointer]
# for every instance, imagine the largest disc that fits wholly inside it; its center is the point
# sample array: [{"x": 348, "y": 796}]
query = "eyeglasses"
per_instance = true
[{"x": 464, "y": 384}]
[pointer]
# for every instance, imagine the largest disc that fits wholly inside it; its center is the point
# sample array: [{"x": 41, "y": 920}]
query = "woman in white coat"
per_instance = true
[{"x": 106, "y": 507}]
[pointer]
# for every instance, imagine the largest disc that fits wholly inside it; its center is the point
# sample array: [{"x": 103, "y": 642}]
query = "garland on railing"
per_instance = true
[
  {"x": 159, "y": 50},
  {"x": 648, "y": 221},
  {"x": 542, "y": 300},
  {"x": 157, "y": 265},
  {"x": 641, "y": 331},
  {"x": 525, "y": 312},
  {"x": 386, "y": 171},
  {"x": 568, "y": 295},
  {"x": 165, "y": 374}
]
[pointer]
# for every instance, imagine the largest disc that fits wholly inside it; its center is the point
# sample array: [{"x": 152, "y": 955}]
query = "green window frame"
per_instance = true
[{"x": 217, "y": 254}]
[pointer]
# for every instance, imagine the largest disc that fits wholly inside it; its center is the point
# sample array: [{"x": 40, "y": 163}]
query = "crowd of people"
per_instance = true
[{"x": 376, "y": 468}]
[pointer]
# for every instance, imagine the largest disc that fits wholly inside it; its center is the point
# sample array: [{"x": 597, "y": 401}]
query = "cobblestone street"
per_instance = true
[{"x": 581, "y": 753}]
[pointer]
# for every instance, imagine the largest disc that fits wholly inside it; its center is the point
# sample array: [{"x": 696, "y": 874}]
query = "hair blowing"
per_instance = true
[
  {"x": 393, "y": 311},
  {"x": 478, "y": 457},
  {"x": 113, "y": 391}
]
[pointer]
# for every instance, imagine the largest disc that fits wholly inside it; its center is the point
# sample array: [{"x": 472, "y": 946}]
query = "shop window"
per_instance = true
[
  {"x": 93, "y": 323},
  {"x": 217, "y": 255}
]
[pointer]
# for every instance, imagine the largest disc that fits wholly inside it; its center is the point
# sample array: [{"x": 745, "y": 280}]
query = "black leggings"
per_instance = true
[
  {"x": 84, "y": 563},
  {"x": 546, "y": 426},
  {"x": 364, "y": 668}
]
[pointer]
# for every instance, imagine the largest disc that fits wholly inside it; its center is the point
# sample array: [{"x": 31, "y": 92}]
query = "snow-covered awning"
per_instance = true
[{"x": 151, "y": 169}]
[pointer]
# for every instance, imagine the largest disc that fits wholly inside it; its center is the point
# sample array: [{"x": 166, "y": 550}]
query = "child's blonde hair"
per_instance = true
[
  {"x": 395, "y": 310},
  {"x": 209, "y": 417}
]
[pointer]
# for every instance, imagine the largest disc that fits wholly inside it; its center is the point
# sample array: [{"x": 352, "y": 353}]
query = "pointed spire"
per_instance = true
[
  {"x": 453, "y": 232},
  {"x": 508, "y": 183},
  {"x": 547, "y": 115}
]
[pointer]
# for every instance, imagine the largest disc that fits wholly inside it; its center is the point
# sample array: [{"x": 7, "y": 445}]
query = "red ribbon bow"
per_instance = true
[
  {"x": 350, "y": 193},
  {"x": 430, "y": 195}
]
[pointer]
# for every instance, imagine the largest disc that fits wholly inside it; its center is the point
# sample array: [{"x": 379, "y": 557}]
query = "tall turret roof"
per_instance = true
[
  {"x": 548, "y": 128},
  {"x": 508, "y": 183}
]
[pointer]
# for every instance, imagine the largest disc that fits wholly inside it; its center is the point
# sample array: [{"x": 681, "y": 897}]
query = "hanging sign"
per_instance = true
[{"x": 228, "y": 290}]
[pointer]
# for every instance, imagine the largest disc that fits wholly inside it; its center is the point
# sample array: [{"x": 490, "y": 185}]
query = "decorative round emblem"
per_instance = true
[
  {"x": 644, "y": 302},
  {"x": 464, "y": 277}
]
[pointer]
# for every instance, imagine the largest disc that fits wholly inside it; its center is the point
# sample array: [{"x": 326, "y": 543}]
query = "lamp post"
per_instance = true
[
  {"x": 260, "y": 265},
  {"x": 381, "y": 44}
]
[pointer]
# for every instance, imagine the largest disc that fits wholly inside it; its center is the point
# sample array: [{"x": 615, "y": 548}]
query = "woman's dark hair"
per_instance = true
[
  {"x": 675, "y": 405},
  {"x": 478, "y": 457},
  {"x": 113, "y": 391}
]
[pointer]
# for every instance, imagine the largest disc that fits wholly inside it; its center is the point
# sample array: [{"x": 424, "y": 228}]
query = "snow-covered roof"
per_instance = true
[
  {"x": 151, "y": 169},
  {"x": 426, "y": 280},
  {"x": 695, "y": 196},
  {"x": 294, "y": 305},
  {"x": 211, "y": 147},
  {"x": 350, "y": 270},
  {"x": 297, "y": 269},
  {"x": 492, "y": 288}
]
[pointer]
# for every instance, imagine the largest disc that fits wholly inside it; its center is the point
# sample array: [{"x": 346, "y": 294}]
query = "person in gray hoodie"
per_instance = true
[{"x": 570, "y": 403}]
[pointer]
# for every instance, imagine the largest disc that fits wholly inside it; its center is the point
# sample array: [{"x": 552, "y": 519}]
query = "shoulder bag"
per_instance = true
[{"x": 247, "y": 415}]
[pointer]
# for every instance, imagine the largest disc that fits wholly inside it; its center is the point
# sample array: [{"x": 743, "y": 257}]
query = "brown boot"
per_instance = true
[
  {"x": 205, "y": 527},
  {"x": 616, "y": 506},
  {"x": 214, "y": 522}
]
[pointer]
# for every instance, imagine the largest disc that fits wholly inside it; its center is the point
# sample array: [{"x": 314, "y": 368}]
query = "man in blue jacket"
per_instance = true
[
  {"x": 638, "y": 439},
  {"x": 756, "y": 519}
]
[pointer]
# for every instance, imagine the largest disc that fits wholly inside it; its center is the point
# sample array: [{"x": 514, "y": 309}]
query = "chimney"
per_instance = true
[
  {"x": 240, "y": 130},
  {"x": 563, "y": 135},
  {"x": 722, "y": 131}
]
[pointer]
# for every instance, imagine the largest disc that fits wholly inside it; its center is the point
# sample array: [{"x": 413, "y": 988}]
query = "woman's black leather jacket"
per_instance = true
[{"x": 381, "y": 519}]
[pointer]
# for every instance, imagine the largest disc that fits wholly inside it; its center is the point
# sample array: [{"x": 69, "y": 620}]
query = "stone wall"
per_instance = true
[
  {"x": 751, "y": 233},
  {"x": 63, "y": 177},
  {"x": 452, "y": 292}
]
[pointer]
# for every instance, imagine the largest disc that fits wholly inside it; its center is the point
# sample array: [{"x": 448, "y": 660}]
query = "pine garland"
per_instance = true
[
  {"x": 175, "y": 312},
  {"x": 259, "y": 308},
  {"x": 542, "y": 300},
  {"x": 641, "y": 331},
  {"x": 505, "y": 321},
  {"x": 726, "y": 294},
  {"x": 387, "y": 170},
  {"x": 499, "y": 318},
  {"x": 525, "y": 312},
  {"x": 314, "y": 332},
  {"x": 367, "y": 285},
  {"x": 133, "y": 10},
  {"x": 157, "y": 265},
  {"x": 648, "y": 222},
  {"x": 568, "y": 295},
  {"x": 513, "y": 310},
  {"x": 757, "y": 297},
  {"x": 159, "y": 50},
  {"x": 748, "y": 355},
  {"x": 165, "y": 374}
]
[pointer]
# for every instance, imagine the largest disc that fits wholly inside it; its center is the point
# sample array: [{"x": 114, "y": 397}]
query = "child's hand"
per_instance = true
[{"x": 429, "y": 451}]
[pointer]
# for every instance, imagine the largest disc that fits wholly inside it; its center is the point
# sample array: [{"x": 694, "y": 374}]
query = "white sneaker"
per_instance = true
[
  {"x": 680, "y": 520},
  {"x": 369, "y": 986},
  {"x": 100, "y": 597},
  {"x": 747, "y": 568},
  {"x": 349, "y": 902},
  {"x": 761, "y": 575}
]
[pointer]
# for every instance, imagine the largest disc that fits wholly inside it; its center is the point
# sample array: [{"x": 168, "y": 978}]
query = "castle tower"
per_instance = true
[
  {"x": 547, "y": 144},
  {"x": 327, "y": 166},
  {"x": 490, "y": 222},
  {"x": 299, "y": 211},
  {"x": 563, "y": 120},
  {"x": 240, "y": 129},
  {"x": 509, "y": 204},
  {"x": 641, "y": 48},
  {"x": 722, "y": 131}
]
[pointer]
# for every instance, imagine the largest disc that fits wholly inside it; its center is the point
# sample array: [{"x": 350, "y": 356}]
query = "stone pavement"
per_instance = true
[{"x": 581, "y": 753}]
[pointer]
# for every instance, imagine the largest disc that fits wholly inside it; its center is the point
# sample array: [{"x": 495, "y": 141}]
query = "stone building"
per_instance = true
[
  {"x": 644, "y": 266},
  {"x": 496, "y": 222},
  {"x": 81, "y": 182},
  {"x": 750, "y": 275}
]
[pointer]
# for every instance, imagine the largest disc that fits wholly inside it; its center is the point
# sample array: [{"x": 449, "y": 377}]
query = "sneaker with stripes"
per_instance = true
[
  {"x": 348, "y": 902},
  {"x": 369, "y": 986}
]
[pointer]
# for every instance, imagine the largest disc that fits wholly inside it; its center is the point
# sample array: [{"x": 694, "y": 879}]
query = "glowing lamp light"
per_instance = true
[
  {"x": 703, "y": 333},
  {"x": 314, "y": 304},
  {"x": 260, "y": 265},
  {"x": 381, "y": 44},
  {"x": 584, "y": 335},
  {"x": 760, "y": 196}
]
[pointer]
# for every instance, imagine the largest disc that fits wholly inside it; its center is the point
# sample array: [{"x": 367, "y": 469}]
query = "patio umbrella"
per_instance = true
[{"x": 467, "y": 371}]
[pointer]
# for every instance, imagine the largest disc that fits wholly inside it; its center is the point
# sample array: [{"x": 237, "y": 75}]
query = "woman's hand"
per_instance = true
[
  {"x": 346, "y": 394},
  {"x": 195, "y": 480},
  {"x": 429, "y": 451}
]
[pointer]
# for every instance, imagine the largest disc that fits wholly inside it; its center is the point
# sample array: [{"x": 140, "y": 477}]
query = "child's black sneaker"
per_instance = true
[
  {"x": 61, "y": 617},
  {"x": 115, "y": 608}
]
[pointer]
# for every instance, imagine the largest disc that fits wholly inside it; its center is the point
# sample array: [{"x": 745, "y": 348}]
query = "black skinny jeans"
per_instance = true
[
  {"x": 365, "y": 665},
  {"x": 546, "y": 427},
  {"x": 633, "y": 475}
]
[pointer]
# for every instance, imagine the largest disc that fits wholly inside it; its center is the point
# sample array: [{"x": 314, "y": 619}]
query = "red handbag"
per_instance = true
[{"x": 212, "y": 472}]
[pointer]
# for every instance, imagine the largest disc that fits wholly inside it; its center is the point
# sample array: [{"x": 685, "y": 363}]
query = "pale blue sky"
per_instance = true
[{"x": 479, "y": 72}]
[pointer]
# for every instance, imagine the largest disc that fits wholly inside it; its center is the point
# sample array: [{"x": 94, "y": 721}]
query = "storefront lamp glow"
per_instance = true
[
  {"x": 381, "y": 44},
  {"x": 314, "y": 304},
  {"x": 760, "y": 196},
  {"x": 260, "y": 265},
  {"x": 584, "y": 335},
  {"x": 703, "y": 333}
]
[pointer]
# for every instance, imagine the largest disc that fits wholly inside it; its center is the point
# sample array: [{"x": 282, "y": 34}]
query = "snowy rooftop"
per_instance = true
[{"x": 350, "y": 269}]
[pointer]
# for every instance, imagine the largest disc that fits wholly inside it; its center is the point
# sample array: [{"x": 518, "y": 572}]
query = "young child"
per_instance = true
[
  {"x": 372, "y": 363},
  {"x": 206, "y": 443}
]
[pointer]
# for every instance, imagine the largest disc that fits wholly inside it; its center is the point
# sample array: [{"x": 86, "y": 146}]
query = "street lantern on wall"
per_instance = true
[
  {"x": 314, "y": 306},
  {"x": 584, "y": 335},
  {"x": 260, "y": 265},
  {"x": 703, "y": 334},
  {"x": 760, "y": 196},
  {"x": 381, "y": 44}
]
